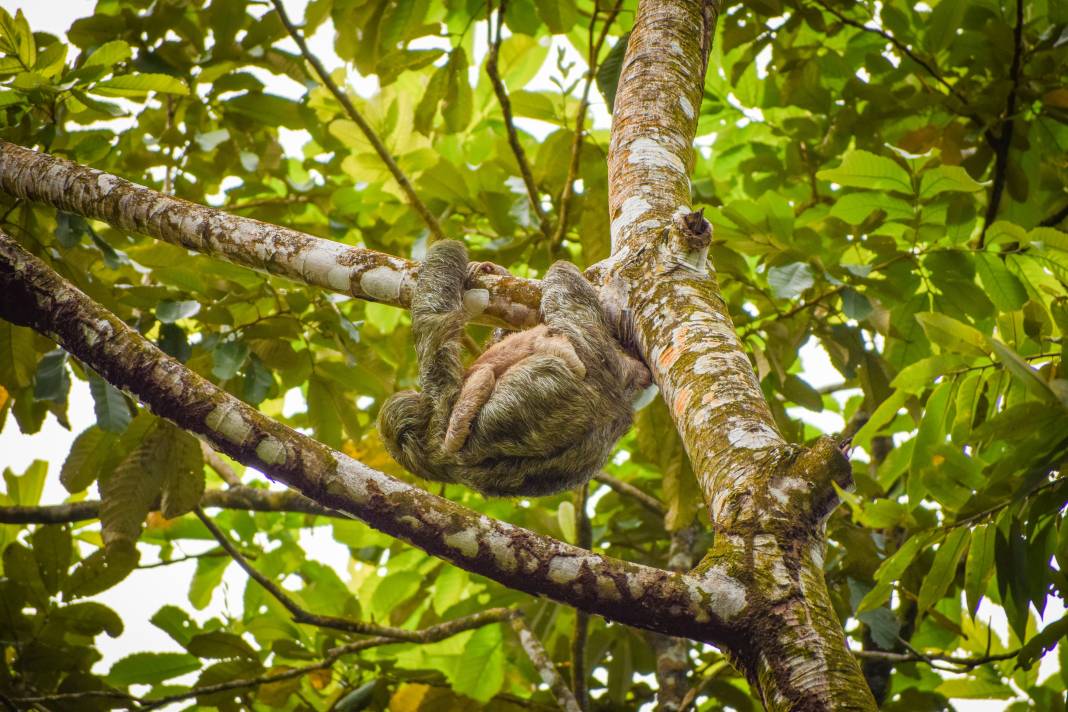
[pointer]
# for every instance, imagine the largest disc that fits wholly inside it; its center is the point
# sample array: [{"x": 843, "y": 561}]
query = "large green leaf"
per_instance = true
[{"x": 863, "y": 169}]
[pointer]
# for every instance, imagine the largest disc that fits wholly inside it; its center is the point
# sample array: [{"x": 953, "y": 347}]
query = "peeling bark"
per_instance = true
[{"x": 494, "y": 299}]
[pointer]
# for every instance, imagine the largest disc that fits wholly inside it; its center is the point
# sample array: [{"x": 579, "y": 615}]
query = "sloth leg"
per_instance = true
[
  {"x": 474, "y": 394},
  {"x": 562, "y": 349}
]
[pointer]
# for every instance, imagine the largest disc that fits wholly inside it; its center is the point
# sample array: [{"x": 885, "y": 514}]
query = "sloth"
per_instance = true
[{"x": 537, "y": 413}]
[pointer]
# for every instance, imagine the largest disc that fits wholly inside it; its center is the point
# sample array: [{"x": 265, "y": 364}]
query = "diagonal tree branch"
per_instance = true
[
  {"x": 544, "y": 665},
  {"x": 506, "y": 109},
  {"x": 355, "y": 116},
  {"x": 699, "y": 606},
  {"x": 359, "y": 272}
]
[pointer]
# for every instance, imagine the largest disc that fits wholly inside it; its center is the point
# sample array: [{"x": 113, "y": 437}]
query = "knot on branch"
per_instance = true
[
  {"x": 692, "y": 232},
  {"x": 822, "y": 466}
]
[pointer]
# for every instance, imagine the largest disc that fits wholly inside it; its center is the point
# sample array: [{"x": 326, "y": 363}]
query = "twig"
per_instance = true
[
  {"x": 580, "y": 121},
  {"x": 1004, "y": 142},
  {"x": 506, "y": 109},
  {"x": 265, "y": 202},
  {"x": 240, "y": 497},
  {"x": 1055, "y": 218},
  {"x": 221, "y": 467},
  {"x": 300, "y": 615},
  {"x": 581, "y": 629},
  {"x": 190, "y": 557},
  {"x": 933, "y": 659},
  {"x": 549, "y": 674},
  {"x": 628, "y": 490},
  {"x": 428, "y": 635},
  {"x": 372, "y": 138}
]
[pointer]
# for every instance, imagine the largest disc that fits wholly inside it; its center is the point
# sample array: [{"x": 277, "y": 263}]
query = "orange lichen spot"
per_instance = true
[
  {"x": 668, "y": 357},
  {"x": 682, "y": 399},
  {"x": 937, "y": 460}
]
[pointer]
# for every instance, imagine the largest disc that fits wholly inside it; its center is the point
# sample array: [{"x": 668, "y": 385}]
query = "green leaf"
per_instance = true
[
  {"x": 855, "y": 208},
  {"x": 891, "y": 570},
  {"x": 1023, "y": 373},
  {"x": 179, "y": 456},
  {"x": 427, "y": 108},
  {"x": 479, "y": 673},
  {"x": 1003, "y": 287},
  {"x": 228, "y": 357},
  {"x": 112, "y": 412},
  {"x": 1032, "y": 651},
  {"x": 608, "y": 71},
  {"x": 885, "y": 413},
  {"x": 18, "y": 358},
  {"x": 91, "y": 455},
  {"x": 918, "y": 377},
  {"x": 139, "y": 85},
  {"x": 52, "y": 548},
  {"x": 258, "y": 381},
  {"x": 25, "y": 489},
  {"x": 861, "y": 169},
  {"x": 151, "y": 668},
  {"x": 952, "y": 335},
  {"x": 943, "y": 569},
  {"x": 565, "y": 518},
  {"x": 175, "y": 622},
  {"x": 979, "y": 566},
  {"x": 169, "y": 311},
  {"x": 87, "y": 618},
  {"x": 52, "y": 381},
  {"x": 206, "y": 579},
  {"x": 101, "y": 570},
  {"x": 947, "y": 178},
  {"x": 456, "y": 104},
  {"x": 220, "y": 646},
  {"x": 790, "y": 280},
  {"x": 108, "y": 54},
  {"x": 559, "y": 15},
  {"x": 267, "y": 109}
]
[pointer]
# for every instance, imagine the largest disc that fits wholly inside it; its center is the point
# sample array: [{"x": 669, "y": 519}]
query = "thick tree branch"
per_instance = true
[
  {"x": 509, "y": 120},
  {"x": 698, "y": 606},
  {"x": 239, "y": 497},
  {"x": 357, "y": 118},
  {"x": 359, "y": 272},
  {"x": 767, "y": 500}
]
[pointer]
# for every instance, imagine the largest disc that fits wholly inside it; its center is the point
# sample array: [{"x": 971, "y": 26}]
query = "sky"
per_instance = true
[{"x": 17, "y": 451}]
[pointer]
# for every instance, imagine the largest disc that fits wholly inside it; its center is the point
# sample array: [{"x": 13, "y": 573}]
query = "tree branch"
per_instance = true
[
  {"x": 544, "y": 665},
  {"x": 506, "y": 110},
  {"x": 625, "y": 489},
  {"x": 962, "y": 663},
  {"x": 300, "y": 615},
  {"x": 1004, "y": 142},
  {"x": 356, "y": 271},
  {"x": 244, "y": 498},
  {"x": 581, "y": 629},
  {"x": 1055, "y": 218},
  {"x": 356, "y": 118},
  {"x": 697, "y": 606}
]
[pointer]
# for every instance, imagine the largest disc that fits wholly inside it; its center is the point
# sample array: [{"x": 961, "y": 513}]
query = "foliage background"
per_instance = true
[{"x": 848, "y": 155}]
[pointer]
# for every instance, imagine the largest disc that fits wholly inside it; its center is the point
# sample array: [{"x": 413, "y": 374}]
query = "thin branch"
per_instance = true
[
  {"x": 506, "y": 110},
  {"x": 357, "y": 118},
  {"x": 625, "y": 489},
  {"x": 431, "y": 634},
  {"x": 1004, "y": 142},
  {"x": 581, "y": 630},
  {"x": 221, "y": 467},
  {"x": 213, "y": 553},
  {"x": 580, "y": 121},
  {"x": 544, "y": 665},
  {"x": 915, "y": 656},
  {"x": 270, "y": 202},
  {"x": 1055, "y": 218},
  {"x": 300, "y": 615},
  {"x": 239, "y": 497}
]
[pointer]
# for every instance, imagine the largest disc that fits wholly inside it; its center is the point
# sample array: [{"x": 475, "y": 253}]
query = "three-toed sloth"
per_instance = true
[{"x": 537, "y": 413}]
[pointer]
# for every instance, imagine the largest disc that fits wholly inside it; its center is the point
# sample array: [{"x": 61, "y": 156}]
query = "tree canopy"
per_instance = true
[{"x": 885, "y": 180}]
